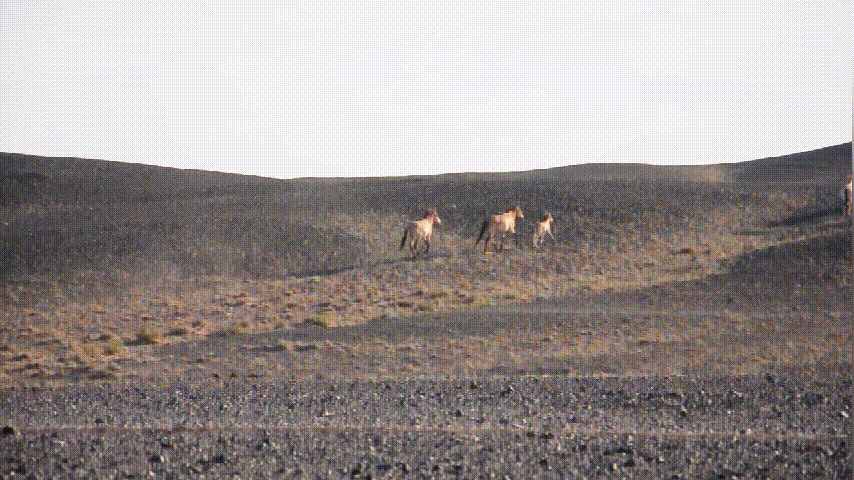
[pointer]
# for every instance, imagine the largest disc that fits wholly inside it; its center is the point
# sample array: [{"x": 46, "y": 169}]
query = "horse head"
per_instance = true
[{"x": 433, "y": 215}]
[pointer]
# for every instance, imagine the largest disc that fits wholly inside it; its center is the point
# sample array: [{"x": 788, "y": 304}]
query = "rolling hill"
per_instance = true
[{"x": 103, "y": 263}]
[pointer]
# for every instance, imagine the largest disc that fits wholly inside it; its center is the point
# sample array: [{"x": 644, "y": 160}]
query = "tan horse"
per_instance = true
[
  {"x": 849, "y": 201},
  {"x": 543, "y": 228},
  {"x": 500, "y": 224},
  {"x": 420, "y": 230}
]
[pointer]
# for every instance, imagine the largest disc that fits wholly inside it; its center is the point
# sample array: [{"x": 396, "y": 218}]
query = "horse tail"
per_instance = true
[
  {"x": 403, "y": 240},
  {"x": 482, "y": 231}
]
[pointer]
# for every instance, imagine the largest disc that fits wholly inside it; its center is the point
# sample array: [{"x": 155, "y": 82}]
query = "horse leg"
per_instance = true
[
  {"x": 486, "y": 243},
  {"x": 427, "y": 241}
]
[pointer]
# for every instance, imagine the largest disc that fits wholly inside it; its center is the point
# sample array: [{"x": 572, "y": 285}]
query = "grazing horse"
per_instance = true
[
  {"x": 543, "y": 228},
  {"x": 420, "y": 230},
  {"x": 849, "y": 201},
  {"x": 499, "y": 224}
]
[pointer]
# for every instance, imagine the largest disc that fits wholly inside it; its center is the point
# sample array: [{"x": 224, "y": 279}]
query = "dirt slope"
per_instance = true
[{"x": 104, "y": 265}]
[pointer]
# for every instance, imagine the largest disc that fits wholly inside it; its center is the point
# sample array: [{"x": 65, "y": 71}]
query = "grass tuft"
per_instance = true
[
  {"x": 92, "y": 350},
  {"x": 239, "y": 328},
  {"x": 324, "y": 320},
  {"x": 114, "y": 346},
  {"x": 148, "y": 336},
  {"x": 178, "y": 332}
]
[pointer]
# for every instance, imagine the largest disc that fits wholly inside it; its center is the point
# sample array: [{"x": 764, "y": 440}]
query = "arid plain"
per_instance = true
[{"x": 687, "y": 321}]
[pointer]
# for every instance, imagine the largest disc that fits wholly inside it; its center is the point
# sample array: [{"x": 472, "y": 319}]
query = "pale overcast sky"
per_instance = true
[{"x": 326, "y": 88}]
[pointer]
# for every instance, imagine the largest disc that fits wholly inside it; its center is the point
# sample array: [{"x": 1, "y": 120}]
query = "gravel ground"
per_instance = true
[{"x": 774, "y": 426}]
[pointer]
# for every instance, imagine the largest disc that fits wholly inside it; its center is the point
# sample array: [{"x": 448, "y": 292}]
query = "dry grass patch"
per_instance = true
[
  {"x": 290, "y": 346},
  {"x": 239, "y": 328},
  {"x": 114, "y": 346},
  {"x": 99, "y": 309},
  {"x": 479, "y": 301},
  {"x": 426, "y": 307},
  {"x": 324, "y": 320},
  {"x": 102, "y": 375},
  {"x": 435, "y": 295},
  {"x": 148, "y": 336},
  {"x": 92, "y": 350},
  {"x": 178, "y": 332}
]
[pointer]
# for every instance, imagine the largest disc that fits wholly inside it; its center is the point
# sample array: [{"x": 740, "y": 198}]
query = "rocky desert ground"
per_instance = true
[{"x": 689, "y": 322}]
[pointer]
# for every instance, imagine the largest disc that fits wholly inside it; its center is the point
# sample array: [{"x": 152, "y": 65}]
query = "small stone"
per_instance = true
[
  {"x": 8, "y": 430},
  {"x": 843, "y": 414}
]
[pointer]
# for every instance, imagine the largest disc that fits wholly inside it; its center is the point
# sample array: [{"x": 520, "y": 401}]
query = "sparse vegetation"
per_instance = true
[
  {"x": 324, "y": 319},
  {"x": 207, "y": 250},
  {"x": 178, "y": 331},
  {"x": 239, "y": 328},
  {"x": 148, "y": 336},
  {"x": 289, "y": 346},
  {"x": 114, "y": 346},
  {"x": 92, "y": 350},
  {"x": 480, "y": 301}
]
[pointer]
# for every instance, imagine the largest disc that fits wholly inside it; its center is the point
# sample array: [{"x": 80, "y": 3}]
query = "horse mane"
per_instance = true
[
  {"x": 430, "y": 213},
  {"x": 546, "y": 217}
]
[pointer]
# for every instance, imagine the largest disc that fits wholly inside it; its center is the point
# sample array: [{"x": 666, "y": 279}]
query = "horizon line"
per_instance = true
[{"x": 495, "y": 172}]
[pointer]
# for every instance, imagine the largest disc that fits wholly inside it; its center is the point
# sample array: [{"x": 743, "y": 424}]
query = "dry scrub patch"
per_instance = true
[{"x": 224, "y": 306}]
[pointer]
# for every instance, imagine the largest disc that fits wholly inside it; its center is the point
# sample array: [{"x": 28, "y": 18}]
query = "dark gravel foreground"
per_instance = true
[{"x": 773, "y": 426}]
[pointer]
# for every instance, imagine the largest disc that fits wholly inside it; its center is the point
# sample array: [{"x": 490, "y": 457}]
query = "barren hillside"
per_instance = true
[{"x": 102, "y": 263}]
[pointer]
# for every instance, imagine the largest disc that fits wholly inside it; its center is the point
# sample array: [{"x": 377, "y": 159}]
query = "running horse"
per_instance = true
[
  {"x": 543, "y": 228},
  {"x": 499, "y": 225},
  {"x": 420, "y": 231}
]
